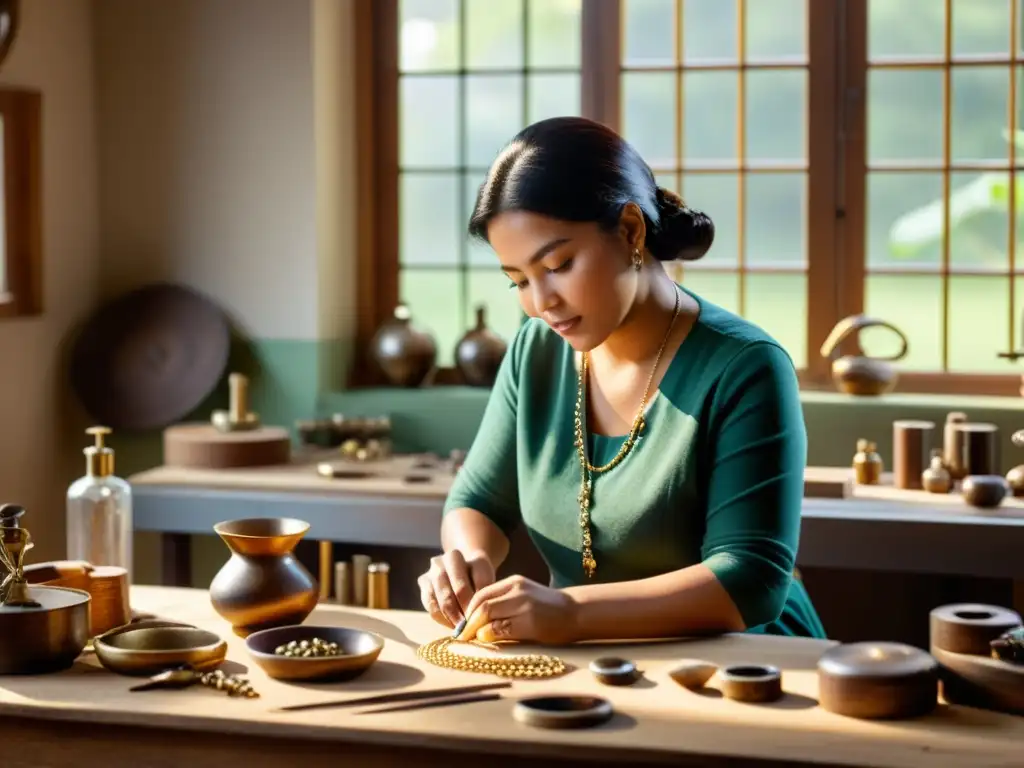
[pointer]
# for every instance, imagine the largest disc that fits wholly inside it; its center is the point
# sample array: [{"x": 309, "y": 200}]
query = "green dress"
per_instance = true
[{"x": 716, "y": 478}]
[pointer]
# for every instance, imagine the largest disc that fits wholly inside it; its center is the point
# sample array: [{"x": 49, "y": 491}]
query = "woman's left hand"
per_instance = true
[{"x": 517, "y": 608}]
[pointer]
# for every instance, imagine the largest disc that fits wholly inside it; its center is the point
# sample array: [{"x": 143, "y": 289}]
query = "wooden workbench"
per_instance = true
[{"x": 86, "y": 716}]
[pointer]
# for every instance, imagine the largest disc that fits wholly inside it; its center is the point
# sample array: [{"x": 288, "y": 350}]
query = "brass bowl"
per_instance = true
[
  {"x": 358, "y": 651},
  {"x": 36, "y": 641},
  {"x": 149, "y": 650}
]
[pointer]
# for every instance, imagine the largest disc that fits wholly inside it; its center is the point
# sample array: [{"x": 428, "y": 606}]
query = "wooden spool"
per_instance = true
[
  {"x": 959, "y": 639},
  {"x": 877, "y": 681},
  {"x": 911, "y": 452},
  {"x": 107, "y": 585},
  {"x": 203, "y": 446},
  {"x": 969, "y": 627}
]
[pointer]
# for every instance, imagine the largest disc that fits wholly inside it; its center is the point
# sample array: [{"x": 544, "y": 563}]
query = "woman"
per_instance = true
[{"x": 652, "y": 442}]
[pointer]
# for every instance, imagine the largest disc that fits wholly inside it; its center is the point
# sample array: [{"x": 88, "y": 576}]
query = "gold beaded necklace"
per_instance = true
[
  {"x": 587, "y": 470},
  {"x": 440, "y": 653}
]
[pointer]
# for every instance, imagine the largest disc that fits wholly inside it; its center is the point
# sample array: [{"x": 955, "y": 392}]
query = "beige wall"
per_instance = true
[
  {"x": 40, "y": 433},
  {"x": 207, "y": 142}
]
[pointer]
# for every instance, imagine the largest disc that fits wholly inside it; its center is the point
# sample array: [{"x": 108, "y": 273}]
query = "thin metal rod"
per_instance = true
[
  {"x": 448, "y": 702},
  {"x": 390, "y": 698}
]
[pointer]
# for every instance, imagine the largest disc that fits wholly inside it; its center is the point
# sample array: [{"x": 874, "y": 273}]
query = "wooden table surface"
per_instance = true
[{"x": 86, "y": 716}]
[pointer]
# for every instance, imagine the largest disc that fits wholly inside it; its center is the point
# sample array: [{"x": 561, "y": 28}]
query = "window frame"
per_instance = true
[
  {"x": 21, "y": 112},
  {"x": 837, "y": 39}
]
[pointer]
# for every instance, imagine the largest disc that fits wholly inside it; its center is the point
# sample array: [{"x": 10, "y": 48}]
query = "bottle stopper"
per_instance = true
[{"x": 238, "y": 417}]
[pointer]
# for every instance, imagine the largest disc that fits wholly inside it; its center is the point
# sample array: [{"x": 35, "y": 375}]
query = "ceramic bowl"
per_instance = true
[
  {"x": 358, "y": 650},
  {"x": 148, "y": 650}
]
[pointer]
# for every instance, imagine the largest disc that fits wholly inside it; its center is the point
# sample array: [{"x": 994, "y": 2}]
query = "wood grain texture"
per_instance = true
[{"x": 657, "y": 722}]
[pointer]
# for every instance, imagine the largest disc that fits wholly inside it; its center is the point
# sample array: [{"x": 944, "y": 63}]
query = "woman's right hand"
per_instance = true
[{"x": 451, "y": 582}]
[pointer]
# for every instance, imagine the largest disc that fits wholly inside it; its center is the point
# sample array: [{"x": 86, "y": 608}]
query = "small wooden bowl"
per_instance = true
[
  {"x": 359, "y": 650},
  {"x": 562, "y": 711},
  {"x": 149, "y": 650},
  {"x": 752, "y": 683}
]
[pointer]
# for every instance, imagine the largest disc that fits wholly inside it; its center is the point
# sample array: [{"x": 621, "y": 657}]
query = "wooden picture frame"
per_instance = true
[{"x": 21, "y": 290}]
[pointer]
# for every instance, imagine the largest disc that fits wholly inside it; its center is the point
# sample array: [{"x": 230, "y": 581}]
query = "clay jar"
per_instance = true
[
  {"x": 263, "y": 585},
  {"x": 404, "y": 353},
  {"x": 984, "y": 491},
  {"x": 480, "y": 352}
]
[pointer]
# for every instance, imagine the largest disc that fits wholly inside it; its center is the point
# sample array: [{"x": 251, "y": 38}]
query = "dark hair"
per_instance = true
[{"x": 574, "y": 169}]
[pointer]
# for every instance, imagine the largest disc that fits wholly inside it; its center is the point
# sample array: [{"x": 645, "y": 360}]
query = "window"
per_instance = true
[{"x": 855, "y": 156}]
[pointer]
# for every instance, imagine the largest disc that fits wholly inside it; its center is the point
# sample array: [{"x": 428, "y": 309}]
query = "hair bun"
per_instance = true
[{"x": 682, "y": 232}]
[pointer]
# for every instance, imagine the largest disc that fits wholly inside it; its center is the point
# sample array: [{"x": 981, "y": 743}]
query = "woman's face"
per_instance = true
[{"x": 575, "y": 276}]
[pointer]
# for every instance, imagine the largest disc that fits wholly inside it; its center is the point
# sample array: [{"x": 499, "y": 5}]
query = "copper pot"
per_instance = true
[{"x": 263, "y": 585}]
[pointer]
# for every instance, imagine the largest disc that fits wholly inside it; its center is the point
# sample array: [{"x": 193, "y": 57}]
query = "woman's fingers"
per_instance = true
[
  {"x": 443, "y": 592},
  {"x": 493, "y": 603},
  {"x": 454, "y": 565},
  {"x": 429, "y": 601}
]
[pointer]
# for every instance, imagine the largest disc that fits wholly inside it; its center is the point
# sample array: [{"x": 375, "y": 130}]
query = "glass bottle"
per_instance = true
[{"x": 99, "y": 510}]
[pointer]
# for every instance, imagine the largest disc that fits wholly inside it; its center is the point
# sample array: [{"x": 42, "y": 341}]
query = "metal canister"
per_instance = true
[
  {"x": 342, "y": 583},
  {"x": 360, "y": 568},
  {"x": 377, "y": 585}
]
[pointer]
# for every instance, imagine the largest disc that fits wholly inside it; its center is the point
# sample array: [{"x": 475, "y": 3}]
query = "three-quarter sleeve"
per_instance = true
[
  {"x": 755, "y": 490},
  {"x": 488, "y": 480}
]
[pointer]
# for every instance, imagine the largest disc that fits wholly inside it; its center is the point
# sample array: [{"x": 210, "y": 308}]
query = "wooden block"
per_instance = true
[
  {"x": 205, "y": 447},
  {"x": 828, "y": 483}
]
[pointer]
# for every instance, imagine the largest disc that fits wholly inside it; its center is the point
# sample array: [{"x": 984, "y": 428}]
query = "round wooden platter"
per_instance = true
[
  {"x": 981, "y": 681},
  {"x": 203, "y": 446}
]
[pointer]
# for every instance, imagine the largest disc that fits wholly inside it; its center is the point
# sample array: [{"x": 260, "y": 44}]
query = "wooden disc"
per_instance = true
[
  {"x": 150, "y": 357},
  {"x": 969, "y": 627},
  {"x": 202, "y": 446},
  {"x": 979, "y": 681},
  {"x": 877, "y": 680},
  {"x": 563, "y": 711}
]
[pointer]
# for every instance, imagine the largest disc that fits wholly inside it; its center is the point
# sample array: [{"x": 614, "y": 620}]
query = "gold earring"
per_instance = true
[{"x": 638, "y": 259}]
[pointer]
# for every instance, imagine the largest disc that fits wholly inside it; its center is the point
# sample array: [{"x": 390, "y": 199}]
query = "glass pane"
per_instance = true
[
  {"x": 669, "y": 181},
  {"x": 553, "y": 96},
  {"x": 428, "y": 122},
  {"x": 913, "y": 303},
  {"x": 648, "y": 35},
  {"x": 721, "y": 288},
  {"x": 429, "y": 36},
  {"x": 491, "y": 288},
  {"x": 709, "y": 31},
  {"x": 906, "y": 28},
  {"x": 904, "y": 219},
  {"x": 477, "y": 252},
  {"x": 905, "y": 115},
  {"x": 778, "y": 304},
  {"x": 494, "y": 114},
  {"x": 1018, "y": 326},
  {"x": 776, "y": 218},
  {"x": 981, "y": 27},
  {"x": 971, "y": 298},
  {"x": 776, "y": 29},
  {"x": 716, "y": 194},
  {"x": 555, "y": 33},
  {"x": 434, "y": 299},
  {"x": 979, "y": 233},
  {"x": 429, "y": 227},
  {"x": 710, "y": 101},
  {"x": 776, "y": 106},
  {"x": 978, "y": 123},
  {"x": 649, "y": 116},
  {"x": 494, "y": 34}
]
